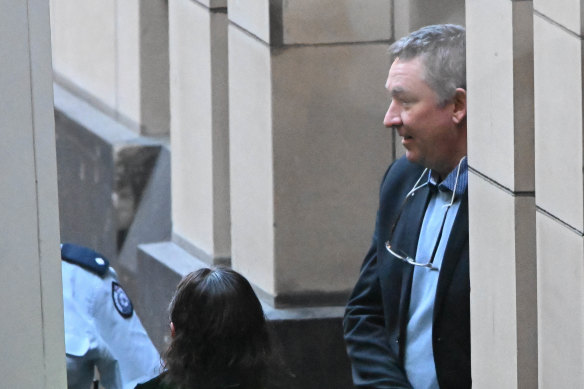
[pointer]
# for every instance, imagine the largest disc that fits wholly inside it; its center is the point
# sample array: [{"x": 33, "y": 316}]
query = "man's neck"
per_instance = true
[{"x": 438, "y": 177}]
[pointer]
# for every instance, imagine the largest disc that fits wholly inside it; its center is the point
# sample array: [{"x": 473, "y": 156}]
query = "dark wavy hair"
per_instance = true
[{"x": 221, "y": 338}]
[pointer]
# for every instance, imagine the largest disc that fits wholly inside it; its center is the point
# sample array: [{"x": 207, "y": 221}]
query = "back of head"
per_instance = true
[
  {"x": 220, "y": 336},
  {"x": 442, "y": 49}
]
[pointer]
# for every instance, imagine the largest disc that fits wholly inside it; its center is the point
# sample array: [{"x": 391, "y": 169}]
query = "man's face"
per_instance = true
[{"x": 429, "y": 132}]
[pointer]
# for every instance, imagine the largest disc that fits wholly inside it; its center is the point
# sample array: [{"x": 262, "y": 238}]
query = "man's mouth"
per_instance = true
[
  {"x": 399, "y": 130},
  {"x": 406, "y": 141}
]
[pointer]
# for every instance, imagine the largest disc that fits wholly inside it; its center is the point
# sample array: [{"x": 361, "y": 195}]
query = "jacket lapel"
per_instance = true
[
  {"x": 452, "y": 255},
  {"x": 406, "y": 238},
  {"x": 406, "y": 234}
]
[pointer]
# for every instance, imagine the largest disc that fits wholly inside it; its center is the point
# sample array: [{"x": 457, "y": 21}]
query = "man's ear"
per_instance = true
[
  {"x": 172, "y": 331},
  {"x": 459, "y": 110}
]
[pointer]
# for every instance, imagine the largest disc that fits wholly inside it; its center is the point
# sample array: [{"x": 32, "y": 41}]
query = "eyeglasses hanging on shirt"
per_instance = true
[{"x": 400, "y": 254}]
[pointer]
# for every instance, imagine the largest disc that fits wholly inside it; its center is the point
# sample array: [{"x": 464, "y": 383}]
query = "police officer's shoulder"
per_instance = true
[
  {"x": 96, "y": 263},
  {"x": 85, "y": 257}
]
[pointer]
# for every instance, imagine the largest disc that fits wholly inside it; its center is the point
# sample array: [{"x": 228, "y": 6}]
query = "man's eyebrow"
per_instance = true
[{"x": 397, "y": 91}]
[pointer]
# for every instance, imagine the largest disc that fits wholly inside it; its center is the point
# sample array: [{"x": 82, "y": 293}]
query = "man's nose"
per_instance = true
[{"x": 392, "y": 116}]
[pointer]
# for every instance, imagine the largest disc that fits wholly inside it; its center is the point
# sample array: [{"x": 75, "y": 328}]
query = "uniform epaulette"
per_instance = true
[{"x": 85, "y": 257}]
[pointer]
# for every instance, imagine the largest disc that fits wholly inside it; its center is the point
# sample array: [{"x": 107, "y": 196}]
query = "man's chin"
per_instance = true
[{"x": 412, "y": 157}]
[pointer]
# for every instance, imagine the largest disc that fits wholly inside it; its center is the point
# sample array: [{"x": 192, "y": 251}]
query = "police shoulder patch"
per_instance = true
[
  {"x": 121, "y": 300},
  {"x": 85, "y": 257}
]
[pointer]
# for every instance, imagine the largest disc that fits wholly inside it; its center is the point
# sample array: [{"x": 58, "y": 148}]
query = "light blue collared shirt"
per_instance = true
[{"x": 419, "y": 358}]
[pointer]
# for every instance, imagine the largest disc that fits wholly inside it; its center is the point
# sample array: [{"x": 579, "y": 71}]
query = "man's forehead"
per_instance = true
[{"x": 405, "y": 72}]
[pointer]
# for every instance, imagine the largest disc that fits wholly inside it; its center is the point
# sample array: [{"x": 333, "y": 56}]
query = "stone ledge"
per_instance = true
[{"x": 103, "y": 170}]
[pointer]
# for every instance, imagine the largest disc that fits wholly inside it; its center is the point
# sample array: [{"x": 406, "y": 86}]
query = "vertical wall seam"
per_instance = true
[
  {"x": 520, "y": 120},
  {"x": 117, "y": 62},
  {"x": 35, "y": 164},
  {"x": 582, "y": 109}
]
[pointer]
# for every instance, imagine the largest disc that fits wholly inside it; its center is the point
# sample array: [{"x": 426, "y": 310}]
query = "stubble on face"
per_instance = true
[{"x": 429, "y": 135}]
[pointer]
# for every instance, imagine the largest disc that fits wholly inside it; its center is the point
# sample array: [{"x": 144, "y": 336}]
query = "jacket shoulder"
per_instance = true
[
  {"x": 155, "y": 383},
  {"x": 401, "y": 176}
]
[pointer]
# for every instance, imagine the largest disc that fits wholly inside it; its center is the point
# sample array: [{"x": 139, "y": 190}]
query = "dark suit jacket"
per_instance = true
[
  {"x": 376, "y": 314},
  {"x": 155, "y": 383}
]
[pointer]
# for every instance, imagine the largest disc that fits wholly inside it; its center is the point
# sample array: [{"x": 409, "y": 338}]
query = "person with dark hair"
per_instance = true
[
  {"x": 219, "y": 335},
  {"x": 407, "y": 322}
]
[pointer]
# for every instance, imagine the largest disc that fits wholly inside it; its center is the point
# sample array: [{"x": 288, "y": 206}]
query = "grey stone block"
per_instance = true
[
  {"x": 160, "y": 268},
  {"x": 310, "y": 344},
  {"x": 103, "y": 172},
  {"x": 85, "y": 166},
  {"x": 152, "y": 221}
]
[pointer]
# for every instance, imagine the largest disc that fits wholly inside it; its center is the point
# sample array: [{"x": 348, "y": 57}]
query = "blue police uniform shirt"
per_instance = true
[
  {"x": 101, "y": 328},
  {"x": 419, "y": 357}
]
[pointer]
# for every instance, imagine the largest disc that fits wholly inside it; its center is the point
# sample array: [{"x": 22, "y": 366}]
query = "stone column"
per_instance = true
[
  {"x": 112, "y": 122},
  {"x": 31, "y": 313},
  {"x": 307, "y": 145},
  {"x": 114, "y": 54},
  {"x": 200, "y": 144},
  {"x": 200, "y": 160},
  {"x": 501, "y": 193},
  {"x": 558, "y": 34},
  {"x": 410, "y": 15}
]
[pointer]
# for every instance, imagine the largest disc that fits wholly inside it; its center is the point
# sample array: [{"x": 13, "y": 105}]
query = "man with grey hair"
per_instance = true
[{"x": 407, "y": 322}]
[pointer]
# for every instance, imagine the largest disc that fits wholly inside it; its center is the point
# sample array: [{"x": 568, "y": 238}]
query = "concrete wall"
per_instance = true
[
  {"x": 31, "y": 314},
  {"x": 526, "y": 192},
  {"x": 114, "y": 53},
  {"x": 307, "y": 145},
  {"x": 200, "y": 128},
  {"x": 558, "y": 64},
  {"x": 278, "y": 148},
  {"x": 501, "y": 193},
  {"x": 104, "y": 169},
  {"x": 410, "y": 15}
]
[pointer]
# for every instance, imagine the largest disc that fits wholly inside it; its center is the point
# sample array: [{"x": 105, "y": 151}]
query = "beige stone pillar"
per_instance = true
[
  {"x": 501, "y": 194},
  {"x": 114, "y": 53},
  {"x": 31, "y": 313},
  {"x": 410, "y": 15},
  {"x": 199, "y": 140},
  {"x": 307, "y": 144},
  {"x": 559, "y": 62}
]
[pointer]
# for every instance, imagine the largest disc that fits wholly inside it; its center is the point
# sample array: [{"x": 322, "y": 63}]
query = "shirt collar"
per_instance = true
[{"x": 449, "y": 182}]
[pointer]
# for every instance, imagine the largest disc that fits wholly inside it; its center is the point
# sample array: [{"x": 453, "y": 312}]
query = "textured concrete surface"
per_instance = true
[{"x": 113, "y": 183}]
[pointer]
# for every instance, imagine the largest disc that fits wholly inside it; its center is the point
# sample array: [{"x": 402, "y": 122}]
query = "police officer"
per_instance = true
[{"x": 101, "y": 328}]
